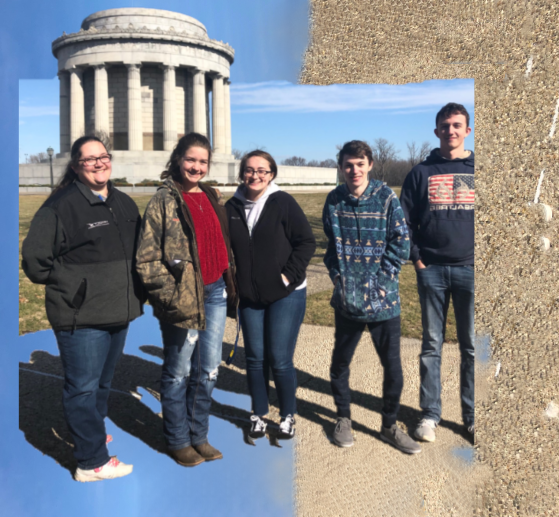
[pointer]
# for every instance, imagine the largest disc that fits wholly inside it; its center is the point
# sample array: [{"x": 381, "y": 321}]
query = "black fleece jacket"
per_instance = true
[
  {"x": 282, "y": 242},
  {"x": 438, "y": 200},
  {"x": 83, "y": 250}
]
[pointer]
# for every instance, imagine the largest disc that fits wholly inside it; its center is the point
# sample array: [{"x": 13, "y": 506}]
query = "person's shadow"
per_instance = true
[{"x": 42, "y": 420}]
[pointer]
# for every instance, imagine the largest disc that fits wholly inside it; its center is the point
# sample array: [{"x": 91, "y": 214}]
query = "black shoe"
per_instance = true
[
  {"x": 286, "y": 428},
  {"x": 257, "y": 427}
]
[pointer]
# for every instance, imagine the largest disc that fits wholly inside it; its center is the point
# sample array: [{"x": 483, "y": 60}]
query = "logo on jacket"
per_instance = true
[
  {"x": 90, "y": 226},
  {"x": 452, "y": 191}
]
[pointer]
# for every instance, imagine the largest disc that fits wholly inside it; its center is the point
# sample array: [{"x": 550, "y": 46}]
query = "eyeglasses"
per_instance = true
[
  {"x": 91, "y": 161},
  {"x": 261, "y": 172}
]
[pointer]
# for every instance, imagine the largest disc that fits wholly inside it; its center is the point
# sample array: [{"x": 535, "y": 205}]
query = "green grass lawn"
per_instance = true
[{"x": 32, "y": 315}]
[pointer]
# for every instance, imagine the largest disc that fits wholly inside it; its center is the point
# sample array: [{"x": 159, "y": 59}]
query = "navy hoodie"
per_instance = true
[{"x": 438, "y": 201}]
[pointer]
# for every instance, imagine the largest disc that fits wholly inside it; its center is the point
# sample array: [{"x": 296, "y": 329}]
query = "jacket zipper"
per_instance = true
[
  {"x": 125, "y": 262},
  {"x": 250, "y": 247}
]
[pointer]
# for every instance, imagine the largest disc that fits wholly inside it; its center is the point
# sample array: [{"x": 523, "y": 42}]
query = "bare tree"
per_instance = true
[
  {"x": 295, "y": 160},
  {"x": 329, "y": 163},
  {"x": 413, "y": 154},
  {"x": 383, "y": 153},
  {"x": 38, "y": 158},
  {"x": 417, "y": 154},
  {"x": 424, "y": 151}
]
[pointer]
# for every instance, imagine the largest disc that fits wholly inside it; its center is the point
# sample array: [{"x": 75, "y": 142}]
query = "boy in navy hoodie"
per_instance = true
[
  {"x": 367, "y": 244},
  {"x": 438, "y": 200}
]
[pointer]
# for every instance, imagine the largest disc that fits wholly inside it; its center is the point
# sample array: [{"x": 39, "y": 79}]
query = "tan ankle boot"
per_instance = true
[{"x": 208, "y": 452}]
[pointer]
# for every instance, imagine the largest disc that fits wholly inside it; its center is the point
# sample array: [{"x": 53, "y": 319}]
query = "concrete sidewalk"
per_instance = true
[{"x": 373, "y": 478}]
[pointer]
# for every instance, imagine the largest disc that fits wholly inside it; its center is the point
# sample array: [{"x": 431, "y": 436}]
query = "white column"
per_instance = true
[
  {"x": 169, "y": 108},
  {"x": 218, "y": 114},
  {"x": 227, "y": 116},
  {"x": 77, "y": 114},
  {"x": 101, "y": 99},
  {"x": 199, "y": 102},
  {"x": 64, "y": 112},
  {"x": 135, "y": 128}
]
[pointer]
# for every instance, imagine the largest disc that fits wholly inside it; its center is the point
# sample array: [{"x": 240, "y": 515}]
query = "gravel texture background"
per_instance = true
[{"x": 511, "y": 49}]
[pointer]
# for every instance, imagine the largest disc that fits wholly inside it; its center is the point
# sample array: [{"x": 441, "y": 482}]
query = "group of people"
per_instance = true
[{"x": 198, "y": 261}]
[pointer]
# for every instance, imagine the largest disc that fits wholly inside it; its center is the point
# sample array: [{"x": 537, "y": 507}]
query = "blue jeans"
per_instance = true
[
  {"x": 189, "y": 374},
  {"x": 89, "y": 357},
  {"x": 270, "y": 334},
  {"x": 436, "y": 284}
]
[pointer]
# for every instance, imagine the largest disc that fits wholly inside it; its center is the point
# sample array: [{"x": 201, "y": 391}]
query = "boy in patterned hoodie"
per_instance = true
[{"x": 367, "y": 244}]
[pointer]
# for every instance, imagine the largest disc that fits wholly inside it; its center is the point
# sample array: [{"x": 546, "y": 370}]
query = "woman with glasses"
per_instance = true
[
  {"x": 185, "y": 262},
  {"x": 81, "y": 244},
  {"x": 273, "y": 243}
]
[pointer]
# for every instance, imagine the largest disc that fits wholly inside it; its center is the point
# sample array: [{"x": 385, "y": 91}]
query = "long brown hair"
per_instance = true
[
  {"x": 75, "y": 154},
  {"x": 184, "y": 144}
]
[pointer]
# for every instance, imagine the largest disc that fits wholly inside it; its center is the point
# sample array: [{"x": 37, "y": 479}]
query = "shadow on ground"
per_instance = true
[{"x": 42, "y": 421}]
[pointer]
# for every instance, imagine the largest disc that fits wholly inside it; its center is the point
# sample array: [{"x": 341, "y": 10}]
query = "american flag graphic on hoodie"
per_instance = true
[{"x": 451, "y": 192}]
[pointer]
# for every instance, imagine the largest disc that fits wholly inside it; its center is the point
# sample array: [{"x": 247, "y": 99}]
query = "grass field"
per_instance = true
[{"x": 32, "y": 315}]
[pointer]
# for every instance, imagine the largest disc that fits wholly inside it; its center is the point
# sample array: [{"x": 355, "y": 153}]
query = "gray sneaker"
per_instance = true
[
  {"x": 395, "y": 436},
  {"x": 426, "y": 430},
  {"x": 342, "y": 435}
]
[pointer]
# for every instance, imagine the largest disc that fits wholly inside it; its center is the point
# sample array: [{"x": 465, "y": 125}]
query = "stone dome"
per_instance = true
[{"x": 152, "y": 19}]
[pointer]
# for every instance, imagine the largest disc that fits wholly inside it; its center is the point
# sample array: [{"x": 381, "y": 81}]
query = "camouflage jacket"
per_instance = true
[{"x": 167, "y": 235}]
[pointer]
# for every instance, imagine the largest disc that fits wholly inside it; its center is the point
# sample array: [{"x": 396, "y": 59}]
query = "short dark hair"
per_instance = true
[
  {"x": 261, "y": 154},
  {"x": 75, "y": 154},
  {"x": 356, "y": 148},
  {"x": 184, "y": 144},
  {"x": 452, "y": 108}
]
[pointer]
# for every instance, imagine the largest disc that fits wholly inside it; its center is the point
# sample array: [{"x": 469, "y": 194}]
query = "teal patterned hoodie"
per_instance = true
[{"x": 367, "y": 244}]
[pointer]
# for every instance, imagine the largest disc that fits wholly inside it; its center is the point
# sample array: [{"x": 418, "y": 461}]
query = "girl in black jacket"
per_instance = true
[
  {"x": 81, "y": 244},
  {"x": 273, "y": 243}
]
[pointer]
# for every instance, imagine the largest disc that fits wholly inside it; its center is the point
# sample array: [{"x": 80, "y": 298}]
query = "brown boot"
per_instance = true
[
  {"x": 187, "y": 457},
  {"x": 208, "y": 452}
]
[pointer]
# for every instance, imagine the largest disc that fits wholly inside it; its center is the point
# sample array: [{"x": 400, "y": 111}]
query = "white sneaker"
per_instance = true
[
  {"x": 426, "y": 430},
  {"x": 257, "y": 427},
  {"x": 287, "y": 427},
  {"x": 112, "y": 469}
]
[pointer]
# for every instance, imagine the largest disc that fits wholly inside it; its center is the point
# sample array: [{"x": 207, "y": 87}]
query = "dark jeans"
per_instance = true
[
  {"x": 189, "y": 373},
  {"x": 270, "y": 334},
  {"x": 386, "y": 338},
  {"x": 436, "y": 284},
  {"x": 89, "y": 357}
]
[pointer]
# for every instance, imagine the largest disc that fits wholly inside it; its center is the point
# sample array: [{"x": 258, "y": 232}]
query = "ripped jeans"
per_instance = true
[{"x": 189, "y": 373}]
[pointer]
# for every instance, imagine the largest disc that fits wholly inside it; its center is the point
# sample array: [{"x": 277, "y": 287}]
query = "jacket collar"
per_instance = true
[
  {"x": 89, "y": 195},
  {"x": 435, "y": 157}
]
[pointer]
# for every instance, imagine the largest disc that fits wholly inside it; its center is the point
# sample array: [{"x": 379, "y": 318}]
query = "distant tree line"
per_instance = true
[
  {"x": 36, "y": 158},
  {"x": 388, "y": 166},
  {"x": 301, "y": 162},
  {"x": 392, "y": 169}
]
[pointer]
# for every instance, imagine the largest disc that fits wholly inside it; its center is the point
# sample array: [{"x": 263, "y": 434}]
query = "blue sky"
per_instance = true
[
  {"x": 289, "y": 119},
  {"x": 269, "y": 39}
]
